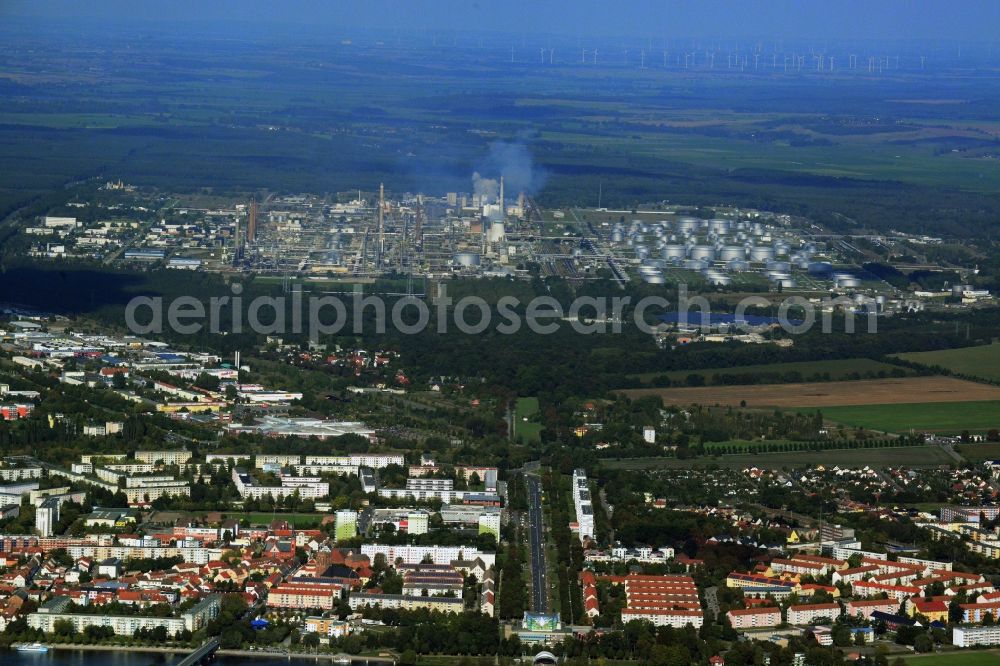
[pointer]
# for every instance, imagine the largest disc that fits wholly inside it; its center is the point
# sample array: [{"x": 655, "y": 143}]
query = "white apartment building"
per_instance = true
[
  {"x": 306, "y": 487},
  {"x": 582, "y": 503},
  {"x": 168, "y": 457},
  {"x": 664, "y": 618},
  {"x": 416, "y": 554},
  {"x": 964, "y": 636}
]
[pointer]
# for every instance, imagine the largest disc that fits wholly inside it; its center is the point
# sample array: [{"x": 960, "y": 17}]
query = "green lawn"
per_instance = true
[
  {"x": 299, "y": 520},
  {"x": 977, "y": 658},
  {"x": 939, "y": 417},
  {"x": 839, "y": 369},
  {"x": 526, "y": 408},
  {"x": 982, "y": 361}
]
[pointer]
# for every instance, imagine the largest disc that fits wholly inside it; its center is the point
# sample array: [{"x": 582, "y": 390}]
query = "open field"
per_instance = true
[
  {"x": 939, "y": 417},
  {"x": 829, "y": 394},
  {"x": 837, "y": 369},
  {"x": 979, "y": 452},
  {"x": 525, "y": 409},
  {"x": 977, "y": 658},
  {"x": 982, "y": 361},
  {"x": 911, "y": 456}
]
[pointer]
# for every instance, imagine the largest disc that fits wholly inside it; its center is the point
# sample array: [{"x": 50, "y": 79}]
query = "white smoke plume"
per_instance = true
[
  {"x": 485, "y": 187},
  {"x": 513, "y": 161}
]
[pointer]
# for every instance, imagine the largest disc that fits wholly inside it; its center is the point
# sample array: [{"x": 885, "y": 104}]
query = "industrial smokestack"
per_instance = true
[{"x": 503, "y": 210}]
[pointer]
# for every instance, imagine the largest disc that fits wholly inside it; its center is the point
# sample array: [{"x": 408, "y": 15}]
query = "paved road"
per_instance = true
[
  {"x": 536, "y": 532},
  {"x": 712, "y": 600}
]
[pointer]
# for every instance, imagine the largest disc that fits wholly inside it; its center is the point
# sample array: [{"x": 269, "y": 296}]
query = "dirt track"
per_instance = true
[{"x": 829, "y": 394}]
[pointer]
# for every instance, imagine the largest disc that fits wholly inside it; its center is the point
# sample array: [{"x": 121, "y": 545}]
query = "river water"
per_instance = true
[{"x": 114, "y": 658}]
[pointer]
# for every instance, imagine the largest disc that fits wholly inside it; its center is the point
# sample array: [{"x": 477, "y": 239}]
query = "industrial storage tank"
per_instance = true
[
  {"x": 781, "y": 249},
  {"x": 820, "y": 268},
  {"x": 703, "y": 252},
  {"x": 653, "y": 278},
  {"x": 695, "y": 264},
  {"x": 846, "y": 280},
  {"x": 761, "y": 253},
  {"x": 617, "y": 236},
  {"x": 782, "y": 279},
  {"x": 719, "y": 226},
  {"x": 641, "y": 251},
  {"x": 737, "y": 266},
  {"x": 466, "y": 259},
  {"x": 782, "y": 266},
  {"x": 674, "y": 251},
  {"x": 688, "y": 224},
  {"x": 730, "y": 252},
  {"x": 716, "y": 278}
]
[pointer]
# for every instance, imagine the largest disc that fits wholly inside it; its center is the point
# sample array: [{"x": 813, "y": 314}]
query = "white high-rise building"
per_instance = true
[
  {"x": 583, "y": 505},
  {"x": 490, "y": 523},
  {"x": 46, "y": 517}
]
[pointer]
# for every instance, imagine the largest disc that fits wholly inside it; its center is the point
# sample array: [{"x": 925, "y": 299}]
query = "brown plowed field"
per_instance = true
[{"x": 829, "y": 394}]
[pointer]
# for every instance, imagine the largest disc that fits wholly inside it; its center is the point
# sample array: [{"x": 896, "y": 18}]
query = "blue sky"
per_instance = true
[{"x": 974, "y": 20}]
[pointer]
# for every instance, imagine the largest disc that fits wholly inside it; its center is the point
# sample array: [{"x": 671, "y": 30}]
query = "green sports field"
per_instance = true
[
  {"x": 938, "y": 417},
  {"x": 978, "y": 658},
  {"x": 982, "y": 361},
  {"x": 529, "y": 430}
]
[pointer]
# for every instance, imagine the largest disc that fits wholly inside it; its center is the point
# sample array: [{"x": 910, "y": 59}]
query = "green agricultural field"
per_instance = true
[
  {"x": 979, "y": 452},
  {"x": 835, "y": 370},
  {"x": 939, "y": 417},
  {"x": 979, "y": 658},
  {"x": 911, "y": 456},
  {"x": 982, "y": 361},
  {"x": 526, "y": 409}
]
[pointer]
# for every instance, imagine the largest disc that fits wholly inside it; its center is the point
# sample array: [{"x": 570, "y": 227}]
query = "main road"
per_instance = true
[{"x": 536, "y": 530}]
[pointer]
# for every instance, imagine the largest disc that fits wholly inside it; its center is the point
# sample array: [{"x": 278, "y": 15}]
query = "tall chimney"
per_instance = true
[{"x": 503, "y": 210}]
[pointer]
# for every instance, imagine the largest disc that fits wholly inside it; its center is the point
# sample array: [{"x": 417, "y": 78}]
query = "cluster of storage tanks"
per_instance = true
[{"x": 717, "y": 248}]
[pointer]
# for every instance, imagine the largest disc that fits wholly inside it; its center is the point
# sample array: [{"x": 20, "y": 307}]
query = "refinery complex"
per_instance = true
[{"x": 491, "y": 232}]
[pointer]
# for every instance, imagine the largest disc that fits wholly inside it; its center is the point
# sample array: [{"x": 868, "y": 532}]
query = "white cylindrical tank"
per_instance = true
[
  {"x": 737, "y": 266},
  {"x": 674, "y": 251},
  {"x": 688, "y": 224},
  {"x": 719, "y": 226},
  {"x": 782, "y": 266},
  {"x": 761, "y": 253},
  {"x": 703, "y": 252},
  {"x": 730, "y": 252}
]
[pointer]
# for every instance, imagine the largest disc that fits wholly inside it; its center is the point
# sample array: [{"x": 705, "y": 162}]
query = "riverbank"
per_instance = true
[
  {"x": 259, "y": 654},
  {"x": 119, "y": 648},
  {"x": 324, "y": 656}
]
